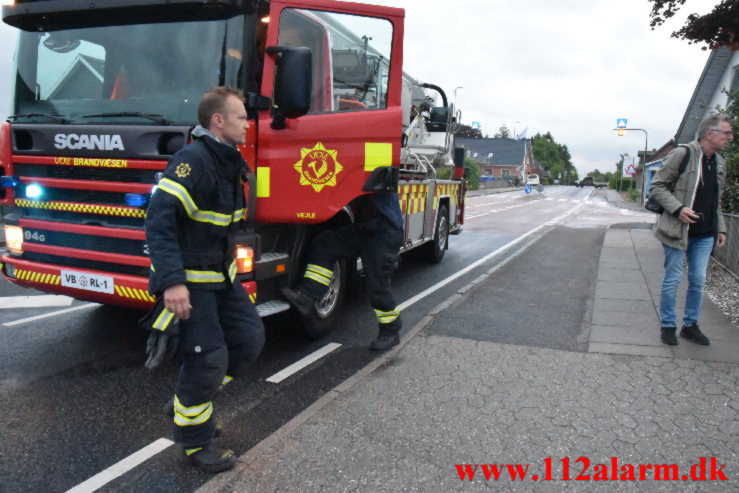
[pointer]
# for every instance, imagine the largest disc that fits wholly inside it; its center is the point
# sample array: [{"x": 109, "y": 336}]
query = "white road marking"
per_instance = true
[
  {"x": 302, "y": 363},
  {"x": 102, "y": 478},
  {"x": 487, "y": 257},
  {"x": 50, "y": 314},
  {"x": 35, "y": 301}
]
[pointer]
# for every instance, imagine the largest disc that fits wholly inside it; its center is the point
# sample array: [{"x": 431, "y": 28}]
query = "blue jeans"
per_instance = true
[{"x": 698, "y": 254}]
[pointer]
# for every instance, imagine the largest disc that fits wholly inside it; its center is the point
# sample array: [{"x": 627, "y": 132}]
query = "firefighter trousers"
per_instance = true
[
  {"x": 222, "y": 337},
  {"x": 377, "y": 244}
]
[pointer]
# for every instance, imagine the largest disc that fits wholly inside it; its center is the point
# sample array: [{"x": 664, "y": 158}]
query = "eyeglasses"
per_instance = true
[{"x": 725, "y": 132}]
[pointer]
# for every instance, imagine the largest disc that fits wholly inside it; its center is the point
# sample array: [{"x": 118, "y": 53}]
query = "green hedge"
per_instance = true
[{"x": 730, "y": 198}]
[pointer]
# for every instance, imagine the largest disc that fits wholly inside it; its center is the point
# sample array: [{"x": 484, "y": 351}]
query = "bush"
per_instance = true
[
  {"x": 633, "y": 194},
  {"x": 730, "y": 198},
  {"x": 444, "y": 173},
  {"x": 472, "y": 174}
]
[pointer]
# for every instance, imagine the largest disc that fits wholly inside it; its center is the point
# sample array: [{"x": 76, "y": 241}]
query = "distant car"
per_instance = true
[
  {"x": 532, "y": 180},
  {"x": 589, "y": 182}
]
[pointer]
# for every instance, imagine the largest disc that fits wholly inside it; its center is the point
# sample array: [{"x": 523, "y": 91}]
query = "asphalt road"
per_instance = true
[{"x": 76, "y": 398}]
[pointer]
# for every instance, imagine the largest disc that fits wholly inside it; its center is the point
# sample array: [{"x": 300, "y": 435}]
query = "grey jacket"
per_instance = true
[{"x": 669, "y": 229}]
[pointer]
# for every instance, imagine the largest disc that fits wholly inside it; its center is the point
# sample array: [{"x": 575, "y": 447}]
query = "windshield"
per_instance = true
[{"x": 151, "y": 69}]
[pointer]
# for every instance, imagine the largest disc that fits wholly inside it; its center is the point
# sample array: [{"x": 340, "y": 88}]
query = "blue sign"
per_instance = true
[
  {"x": 621, "y": 122},
  {"x": 527, "y": 188},
  {"x": 475, "y": 125}
]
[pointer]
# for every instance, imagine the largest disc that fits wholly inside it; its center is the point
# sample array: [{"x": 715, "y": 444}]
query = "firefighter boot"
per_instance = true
[
  {"x": 299, "y": 300},
  {"x": 387, "y": 338},
  {"x": 209, "y": 459},
  {"x": 168, "y": 410}
]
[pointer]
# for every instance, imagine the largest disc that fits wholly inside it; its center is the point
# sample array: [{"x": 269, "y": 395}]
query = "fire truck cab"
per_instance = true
[{"x": 105, "y": 92}]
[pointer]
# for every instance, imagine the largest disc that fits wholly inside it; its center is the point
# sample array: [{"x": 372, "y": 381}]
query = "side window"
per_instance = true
[{"x": 351, "y": 57}]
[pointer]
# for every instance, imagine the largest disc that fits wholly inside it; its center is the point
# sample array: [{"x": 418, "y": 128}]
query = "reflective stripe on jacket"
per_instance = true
[{"x": 193, "y": 217}]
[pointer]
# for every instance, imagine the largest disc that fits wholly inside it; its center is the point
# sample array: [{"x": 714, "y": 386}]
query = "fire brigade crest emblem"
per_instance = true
[
  {"x": 318, "y": 167},
  {"x": 182, "y": 170}
]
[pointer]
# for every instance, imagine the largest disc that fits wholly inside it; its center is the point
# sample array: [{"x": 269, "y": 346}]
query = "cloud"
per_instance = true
[{"x": 570, "y": 67}]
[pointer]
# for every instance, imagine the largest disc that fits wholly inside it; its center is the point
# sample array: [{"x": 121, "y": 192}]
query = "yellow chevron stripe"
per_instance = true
[{"x": 83, "y": 208}]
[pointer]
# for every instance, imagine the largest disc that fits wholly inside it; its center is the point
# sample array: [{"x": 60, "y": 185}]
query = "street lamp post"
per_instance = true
[
  {"x": 646, "y": 148},
  {"x": 455, "y": 94},
  {"x": 621, "y": 177}
]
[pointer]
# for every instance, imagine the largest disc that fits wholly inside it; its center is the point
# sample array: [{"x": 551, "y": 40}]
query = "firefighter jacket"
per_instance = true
[{"x": 194, "y": 215}]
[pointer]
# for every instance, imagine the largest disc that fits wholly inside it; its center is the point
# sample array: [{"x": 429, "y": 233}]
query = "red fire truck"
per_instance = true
[{"x": 105, "y": 91}]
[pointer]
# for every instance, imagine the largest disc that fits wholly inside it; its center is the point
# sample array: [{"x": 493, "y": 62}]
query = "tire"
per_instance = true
[
  {"x": 437, "y": 248},
  {"x": 321, "y": 319}
]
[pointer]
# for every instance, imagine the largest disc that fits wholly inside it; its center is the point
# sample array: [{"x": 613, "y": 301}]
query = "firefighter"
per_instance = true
[
  {"x": 190, "y": 225},
  {"x": 375, "y": 236}
]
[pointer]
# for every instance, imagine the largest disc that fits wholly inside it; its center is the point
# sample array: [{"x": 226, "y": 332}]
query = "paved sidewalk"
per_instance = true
[
  {"x": 615, "y": 199},
  {"x": 405, "y": 421}
]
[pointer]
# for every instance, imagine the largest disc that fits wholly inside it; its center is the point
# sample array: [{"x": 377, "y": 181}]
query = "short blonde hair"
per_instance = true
[{"x": 214, "y": 101}]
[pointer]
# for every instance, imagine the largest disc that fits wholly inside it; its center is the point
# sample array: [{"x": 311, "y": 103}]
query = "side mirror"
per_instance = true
[{"x": 293, "y": 83}]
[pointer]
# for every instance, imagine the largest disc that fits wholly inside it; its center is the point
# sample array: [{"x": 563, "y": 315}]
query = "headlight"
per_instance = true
[
  {"x": 34, "y": 191},
  {"x": 244, "y": 259},
  {"x": 14, "y": 238}
]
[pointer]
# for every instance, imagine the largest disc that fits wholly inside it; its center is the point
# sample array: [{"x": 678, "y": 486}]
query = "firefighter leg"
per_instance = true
[
  {"x": 242, "y": 328},
  {"x": 204, "y": 362},
  {"x": 322, "y": 254},
  {"x": 380, "y": 257}
]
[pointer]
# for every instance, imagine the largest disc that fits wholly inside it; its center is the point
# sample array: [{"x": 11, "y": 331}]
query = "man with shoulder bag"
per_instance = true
[{"x": 691, "y": 223}]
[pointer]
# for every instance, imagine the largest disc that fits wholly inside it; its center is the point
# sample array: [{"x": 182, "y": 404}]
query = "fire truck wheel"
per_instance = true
[
  {"x": 436, "y": 249},
  {"x": 319, "y": 322}
]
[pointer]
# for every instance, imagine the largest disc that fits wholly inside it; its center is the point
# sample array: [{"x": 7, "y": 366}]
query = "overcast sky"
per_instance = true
[{"x": 571, "y": 67}]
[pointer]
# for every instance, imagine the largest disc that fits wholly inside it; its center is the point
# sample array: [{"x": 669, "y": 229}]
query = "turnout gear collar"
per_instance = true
[{"x": 200, "y": 131}]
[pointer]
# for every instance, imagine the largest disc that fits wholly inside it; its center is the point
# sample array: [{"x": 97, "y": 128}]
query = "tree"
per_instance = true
[
  {"x": 554, "y": 157},
  {"x": 467, "y": 131},
  {"x": 720, "y": 27},
  {"x": 503, "y": 133}
]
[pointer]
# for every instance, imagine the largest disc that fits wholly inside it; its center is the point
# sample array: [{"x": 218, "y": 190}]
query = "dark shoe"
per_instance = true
[
  {"x": 168, "y": 410},
  {"x": 299, "y": 300},
  {"x": 385, "y": 340},
  {"x": 693, "y": 333},
  {"x": 210, "y": 459},
  {"x": 668, "y": 336}
]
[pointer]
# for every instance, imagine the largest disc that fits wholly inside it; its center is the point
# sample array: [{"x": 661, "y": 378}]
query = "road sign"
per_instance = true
[
  {"x": 527, "y": 188},
  {"x": 475, "y": 125},
  {"x": 629, "y": 171},
  {"x": 621, "y": 122}
]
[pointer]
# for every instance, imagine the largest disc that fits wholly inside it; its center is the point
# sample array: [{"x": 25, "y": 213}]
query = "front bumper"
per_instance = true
[{"x": 130, "y": 291}]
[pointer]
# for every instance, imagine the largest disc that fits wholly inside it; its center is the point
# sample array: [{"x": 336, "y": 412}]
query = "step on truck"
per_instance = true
[{"x": 106, "y": 91}]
